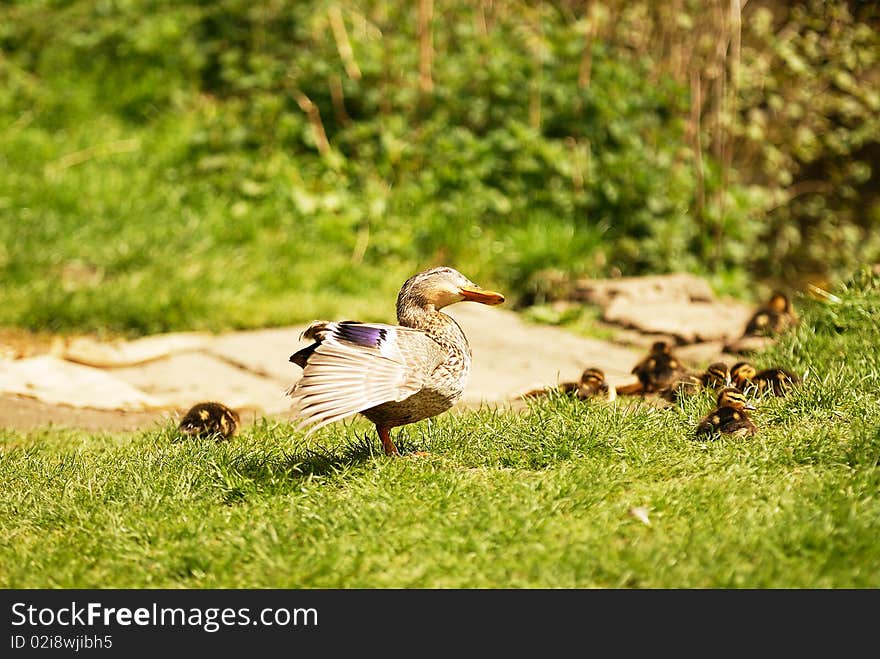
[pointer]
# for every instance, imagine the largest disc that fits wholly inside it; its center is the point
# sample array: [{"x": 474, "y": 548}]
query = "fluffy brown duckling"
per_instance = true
[
  {"x": 776, "y": 379},
  {"x": 659, "y": 369},
  {"x": 209, "y": 418},
  {"x": 772, "y": 317},
  {"x": 716, "y": 376},
  {"x": 685, "y": 385},
  {"x": 592, "y": 384},
  {"x": 729, "y": 416}
]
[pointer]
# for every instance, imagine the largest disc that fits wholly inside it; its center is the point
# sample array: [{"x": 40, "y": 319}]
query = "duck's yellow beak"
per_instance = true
[{"x": 481, "y": 295}]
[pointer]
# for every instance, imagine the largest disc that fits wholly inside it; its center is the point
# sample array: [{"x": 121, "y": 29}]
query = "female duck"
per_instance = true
[{"x": 392, "y": 374}]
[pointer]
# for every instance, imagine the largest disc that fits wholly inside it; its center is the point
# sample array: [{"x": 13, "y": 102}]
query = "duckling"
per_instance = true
[
  {"x": 592, "y": 384},
  {"x": 685, "y": 385},
  {"x": 773, "y": 317},
  {"x": 776, "y": 379},
  {"x": 206, "y": 419},
  {"x": 729, "y": 416},
  {"x": 659, "y": 369},
  {"x": 741, "y": 375},
  {"x": 716, "y": 376}
]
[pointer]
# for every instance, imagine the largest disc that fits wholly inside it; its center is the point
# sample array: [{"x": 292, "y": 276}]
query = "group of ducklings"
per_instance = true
[
  {"x": 730, "y": 415},
  {"x": 661, "y": 373}
]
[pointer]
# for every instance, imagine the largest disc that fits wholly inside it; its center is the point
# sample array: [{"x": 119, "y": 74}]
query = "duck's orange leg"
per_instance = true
[{"x": 387, "y": 444}]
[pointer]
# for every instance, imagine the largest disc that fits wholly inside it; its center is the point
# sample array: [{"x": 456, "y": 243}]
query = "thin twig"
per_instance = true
[
  {"x": 343, "y": 45},
  {"x": 314, "y": 116},
  {"x": 696, "y": 130},
  {"x": 360, "y": 246},
  {"x": 426, "y": 45},
  {"x": 534, "y": 41},
  {"x": 338, "y": 98},
  {"x": 94, "y": 151},
  {"x": 735, "y": 36},
  {"x": 586, "y": 67}
]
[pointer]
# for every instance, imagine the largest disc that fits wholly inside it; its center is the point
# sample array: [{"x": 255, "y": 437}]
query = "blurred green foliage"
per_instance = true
[{"x": 235, "y": 163}]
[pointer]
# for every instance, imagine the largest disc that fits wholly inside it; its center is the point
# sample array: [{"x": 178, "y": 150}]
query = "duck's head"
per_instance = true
[
  {"x": 779, "y": 302},
  {"x": 439, "y": 287},
  {"x": 592, "y": 376},
  {"x": 660, "y": 348},
  {"x": 718, "y": 374},
  {"x": 742, "y": 372},
  {"x": 733, "y": 397}
]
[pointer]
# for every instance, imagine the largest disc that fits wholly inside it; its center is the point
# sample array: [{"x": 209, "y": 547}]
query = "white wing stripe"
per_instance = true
[{"x": 342, "y": 378}]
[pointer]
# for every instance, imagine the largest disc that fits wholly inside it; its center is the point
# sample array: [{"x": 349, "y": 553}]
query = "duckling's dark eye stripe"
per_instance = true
[{"x": 362, "y": 334}]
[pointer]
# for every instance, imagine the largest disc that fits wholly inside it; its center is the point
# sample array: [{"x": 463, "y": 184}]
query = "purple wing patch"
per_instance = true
[{"x": 361, "y": 334}]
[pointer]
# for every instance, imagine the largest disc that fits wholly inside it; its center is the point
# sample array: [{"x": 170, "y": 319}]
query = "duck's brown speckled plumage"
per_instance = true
[{"x": 392, "y": 374}]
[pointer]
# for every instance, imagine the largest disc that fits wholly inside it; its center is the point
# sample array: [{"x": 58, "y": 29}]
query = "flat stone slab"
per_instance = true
[
  {"x": 747, "y": 345},
  {"x": 678, "y": 305},
  {"x": 26, "y": 413},
  {"x": 688, "y": 322},
  {"x": 112, "y": 354},
  {"x": 699, "y": 355},
  {"x": 262, "y": 352},
  {"x": 674, "y": 286},
  {"x": 54, "y": 380},
  {"x": 182, "y": 380},
  {"x": 512, "y": 356}
]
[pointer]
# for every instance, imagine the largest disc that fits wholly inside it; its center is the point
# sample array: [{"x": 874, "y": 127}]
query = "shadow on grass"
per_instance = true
[{"x": 255, "y": 472}]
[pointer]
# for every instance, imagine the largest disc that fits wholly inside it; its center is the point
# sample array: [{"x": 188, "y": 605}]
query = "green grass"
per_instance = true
[
  {"x": 539, "y": 498},
  {"x": 140, "y": 235},
  {"x": 585, "y": 320}
]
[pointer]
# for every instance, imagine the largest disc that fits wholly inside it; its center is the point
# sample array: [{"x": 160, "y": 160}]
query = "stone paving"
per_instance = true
[{"x": 249, "y": 370}]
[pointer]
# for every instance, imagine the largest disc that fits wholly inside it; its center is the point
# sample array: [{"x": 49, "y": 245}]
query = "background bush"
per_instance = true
[{"x": 235, "y": 163}]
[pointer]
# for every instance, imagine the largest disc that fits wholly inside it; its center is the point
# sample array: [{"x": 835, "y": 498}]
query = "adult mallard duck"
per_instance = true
[
  {"x": 209, "y": 418},
  {"x": 392, "y": 374}
]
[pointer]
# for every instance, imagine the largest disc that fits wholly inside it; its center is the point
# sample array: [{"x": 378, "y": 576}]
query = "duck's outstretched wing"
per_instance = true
[{"x": 354, "y": 366}]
